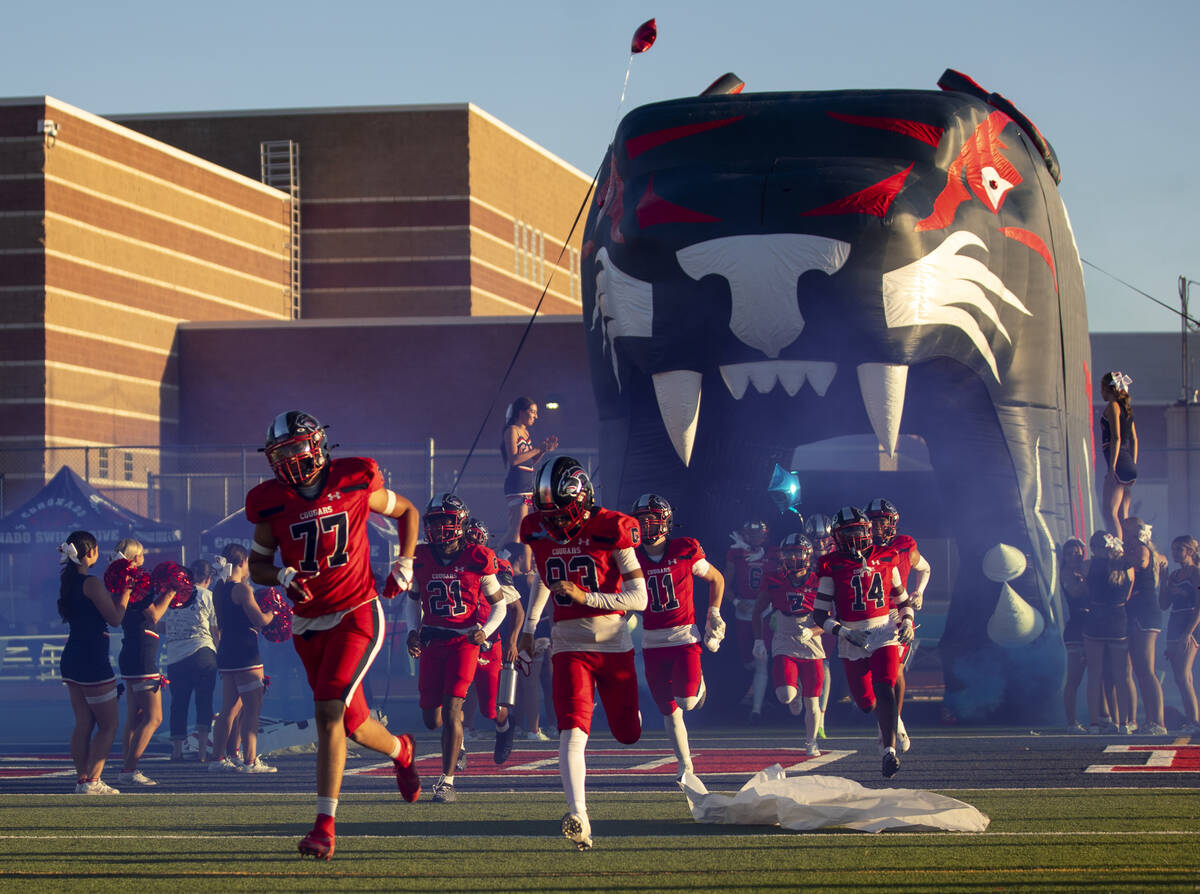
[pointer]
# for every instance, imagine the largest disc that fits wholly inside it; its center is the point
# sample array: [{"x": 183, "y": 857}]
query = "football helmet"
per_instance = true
[
  {"x": 754, "y": 532},
  {"x": 297, "y": 448},
  {"x": 819, "y": 530},
  {"x": 655, "y": 517},
  {"x": 446, "y": 520},
  {"x": 563, "y": 493},
  {"x": 852, "y": 531},
  {"x": 477, "y": 531},
  {"x": 884, "y": 518},
  {"x": 795, "y": 553}
]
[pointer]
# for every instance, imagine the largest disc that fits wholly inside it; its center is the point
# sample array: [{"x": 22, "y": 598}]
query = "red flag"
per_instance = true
[{"x": 644, "y": 37}]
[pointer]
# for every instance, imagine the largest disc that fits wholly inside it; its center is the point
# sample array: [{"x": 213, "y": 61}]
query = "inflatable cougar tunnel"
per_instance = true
[{"x": 767, "y": 271}]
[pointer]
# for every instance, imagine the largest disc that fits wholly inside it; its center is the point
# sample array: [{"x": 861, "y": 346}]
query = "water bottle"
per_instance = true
[{"x": 506, "y": 695}]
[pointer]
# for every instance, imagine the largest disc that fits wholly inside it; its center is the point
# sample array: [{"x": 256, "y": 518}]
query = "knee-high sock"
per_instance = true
[
  {"x": 760, "y": 684},
  {"x": 825, "y": 689},
  {"x": 572, "y": 766},
  {"x": 812, "y": 718},
  {"x": 677, "y": 733}
]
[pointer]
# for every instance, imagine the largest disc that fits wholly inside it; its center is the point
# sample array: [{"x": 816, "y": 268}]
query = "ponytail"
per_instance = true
[{"x": 79, "y": 543}]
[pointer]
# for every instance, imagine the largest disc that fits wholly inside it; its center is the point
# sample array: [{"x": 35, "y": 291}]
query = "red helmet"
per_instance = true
[
  {"x": 852, "y": 531},
  {"x": 445, "y": 520},
  {"x": 884, "y": 519},
  {"x": 795, "y": 553},
  {"x": 655, "y": 517},
  {"x": 477, "y": 532},
  {"x": 563, "y": 493},
  {"x": 297, "y": 448}
]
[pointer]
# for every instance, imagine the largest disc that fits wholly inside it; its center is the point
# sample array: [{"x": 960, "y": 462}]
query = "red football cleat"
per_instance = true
[
  {"x": 407, "y": 779},
  {"x": 317, "y": 843}
]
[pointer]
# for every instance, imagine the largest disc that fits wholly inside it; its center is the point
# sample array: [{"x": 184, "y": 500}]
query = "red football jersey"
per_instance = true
[
  {"x": 903, "y": 545},
  {"x": 586, "y": 561},
  {"x": 324, "y": 539},
  {"x": 451, "y": 593},
  {"x": 791, "y": 600},
  {"x": 669, "y": 584},
  {"x": 745, "y": 573},
  {"x": 862, "y": 588}
]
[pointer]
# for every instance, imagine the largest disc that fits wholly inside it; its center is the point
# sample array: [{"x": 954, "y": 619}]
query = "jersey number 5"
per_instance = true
[
  {"x": 874, "y": 592},
  {"x": 309, "y": 534}
]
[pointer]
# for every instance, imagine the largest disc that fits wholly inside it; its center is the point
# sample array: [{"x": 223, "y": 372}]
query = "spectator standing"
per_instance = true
[{"x": 191, "y": 635}]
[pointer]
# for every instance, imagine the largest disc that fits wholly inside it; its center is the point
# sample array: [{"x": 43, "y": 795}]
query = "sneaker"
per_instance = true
[
  {"x": 1155, "y": 729},
  {"x": 405, "y": 766},
  {"x": 259, "y": 766},
  {"x": 1076, "y": 728},
  {"x": 95, "y": 787},
  {"x": 223, "y": 765},
  {"x": 504, "y": 744},
  {"x": 443, "y": 792},
  {"x": 461, "y": 763},
  {"x": 1128, "y": 729},
  {"x": 1187, "y": 727},
  {"x": 316, "y": 844},
  {"x": 902, "y": 742},
  {"x": 577, "y": 828},
  {"x": 137, "y": 777},
  {"x": 812, "y": 749},
  {"x": 891, "y": 763},
  {"x": 536, "y": 736},
  {"x": 1095, "y": 729}
]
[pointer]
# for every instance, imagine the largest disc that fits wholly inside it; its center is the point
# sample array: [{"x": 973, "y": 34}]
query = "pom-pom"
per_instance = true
[
  {"x": 168, "y": 576},
  {"x": 271, "y": 600},
  {"x": 116, "y": 576}
]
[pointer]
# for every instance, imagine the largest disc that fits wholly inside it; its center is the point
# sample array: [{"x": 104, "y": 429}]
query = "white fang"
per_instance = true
[
  {"x": 624, "y": 306},
  {"x": 791, "y": 374},
  {"x": 883, "y": 387},
  {"x": 678, "y": 393}
]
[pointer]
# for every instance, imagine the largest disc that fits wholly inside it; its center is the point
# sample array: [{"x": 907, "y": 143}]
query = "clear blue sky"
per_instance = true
[{"x": 1113, "y": 86}]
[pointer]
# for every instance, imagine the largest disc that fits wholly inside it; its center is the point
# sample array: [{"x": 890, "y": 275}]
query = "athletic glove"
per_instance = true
[
  {"x": 714, "y": 630},
  {"x": 906, "y": 630},
  {"x": 294, "y": 586},
  {"x": 854, "y": 637},
  {"x": 401, "y": 573}
]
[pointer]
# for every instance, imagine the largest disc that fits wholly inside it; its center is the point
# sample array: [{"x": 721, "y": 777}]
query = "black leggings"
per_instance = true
[{"x": 196, "y": 673}]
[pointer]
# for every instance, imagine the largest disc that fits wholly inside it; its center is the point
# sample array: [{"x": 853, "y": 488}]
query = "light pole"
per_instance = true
[{"x": 1187, "y": 395}]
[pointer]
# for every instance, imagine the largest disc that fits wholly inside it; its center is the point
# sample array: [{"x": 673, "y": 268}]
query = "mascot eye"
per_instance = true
[{"x": 995, "y": 185}]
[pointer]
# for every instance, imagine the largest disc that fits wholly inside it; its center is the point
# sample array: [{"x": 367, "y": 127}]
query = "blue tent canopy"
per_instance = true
[{"x": 68, "y": 503}]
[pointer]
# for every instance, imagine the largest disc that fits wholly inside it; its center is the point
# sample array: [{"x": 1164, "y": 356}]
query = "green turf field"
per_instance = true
[{"x": 1067, "y": 840}]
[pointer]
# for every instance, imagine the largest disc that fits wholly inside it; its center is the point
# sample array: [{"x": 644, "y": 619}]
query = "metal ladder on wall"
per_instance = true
[{"x": 280, "y": 162}]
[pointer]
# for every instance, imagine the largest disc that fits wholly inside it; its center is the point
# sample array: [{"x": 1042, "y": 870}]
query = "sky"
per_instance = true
[{"x": 1112, "y": 86}]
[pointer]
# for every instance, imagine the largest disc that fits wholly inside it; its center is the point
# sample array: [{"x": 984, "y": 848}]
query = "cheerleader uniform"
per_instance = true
[
  {"x": 138, "y": 658},
  {"x": 1183, "y": 609},
  {"x": 1126, "y": 467},
  {"x": 238, "y": 648},
  {"x": 1106, "y": 618},
  {"x": 1077, "y": 612},
  {"x": 85, "y": 657},
  {"x": 518, "y": 482},
  {"x": 1143, "y": 611}
]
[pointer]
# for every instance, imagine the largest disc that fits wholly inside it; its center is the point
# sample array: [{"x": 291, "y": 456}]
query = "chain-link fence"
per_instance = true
[{"x": 192, "y": 488}]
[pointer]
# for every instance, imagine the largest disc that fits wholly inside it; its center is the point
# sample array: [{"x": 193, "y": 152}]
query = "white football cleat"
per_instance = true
[
  {"x": 902, "y": 742},
  {"x": 812, "y": 749},
  {"x": 577, "y": 828}
]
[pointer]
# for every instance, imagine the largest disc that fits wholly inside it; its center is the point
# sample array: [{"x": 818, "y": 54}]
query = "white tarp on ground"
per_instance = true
[{"x": 806, "y": 802}]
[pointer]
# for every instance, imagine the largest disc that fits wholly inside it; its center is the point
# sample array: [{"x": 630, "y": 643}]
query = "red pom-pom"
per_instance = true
[
  {"x": 116, "y": 576},
  {"x": 139, "y": 581},
  {"x": 168, "y": 576},
  {"x": 280, "y": 628}
]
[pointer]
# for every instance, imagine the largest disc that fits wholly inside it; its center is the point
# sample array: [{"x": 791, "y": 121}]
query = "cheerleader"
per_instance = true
[
  {"x": 138, "y": 661},
  {"x": 239, "y": 619},
  {"x": 88, "y": 610},
  {"x": 520, "y": 457}
]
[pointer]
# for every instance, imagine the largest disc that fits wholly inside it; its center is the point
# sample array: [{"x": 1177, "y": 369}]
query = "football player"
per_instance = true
[
  {"x": 671, "y": 639},
  {"x": 455, "y": 604},
  {"x": 817, "y": 530},
  {"x": 584, "y": 558},
  {"x": 798, "y": 667},
  {"x": 885, "y": 518},
  {"x": 858, "y": 587},
  {"x": 747, "y": 563},
  {"x": 498, "y": 650},
  {"x": 314, "y": 513}
]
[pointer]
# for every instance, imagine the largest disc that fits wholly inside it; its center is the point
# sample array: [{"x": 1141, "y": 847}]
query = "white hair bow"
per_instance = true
[
  {"x": 1120, "y": 381},
  {"x": 224, "y": 569},
  {"x": 69, "y": 553},
  {"x": 1144, "y": 534},
  {"x": 117, "y": 554},
  {"x": 1113, "y": 542}
]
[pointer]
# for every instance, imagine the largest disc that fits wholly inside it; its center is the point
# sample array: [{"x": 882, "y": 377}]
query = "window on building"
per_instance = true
[
  {"x": 128, "y": 466},
  {"x": 102, "y": 462}
]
